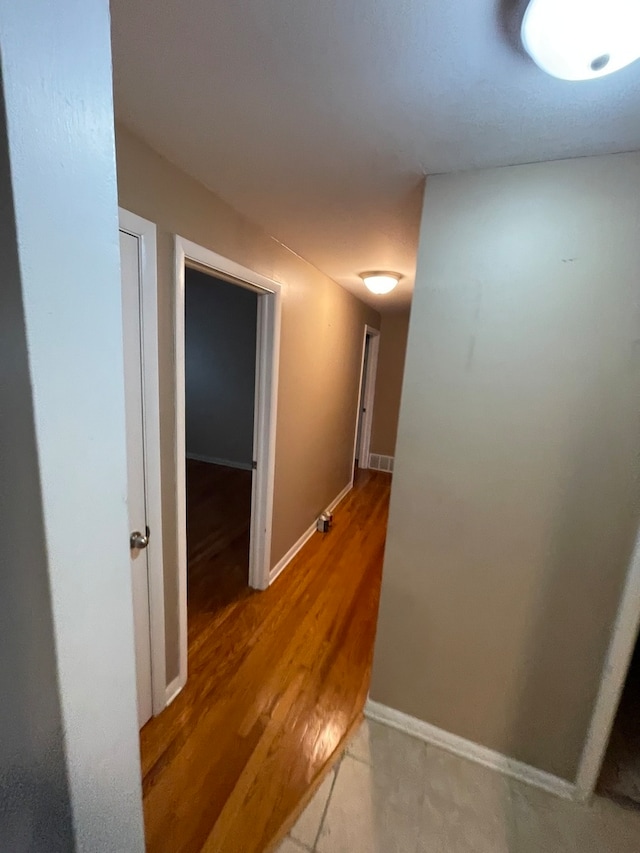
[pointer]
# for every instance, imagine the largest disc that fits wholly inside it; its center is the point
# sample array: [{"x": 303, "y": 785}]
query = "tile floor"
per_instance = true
[{"x": 391, "y": 793}]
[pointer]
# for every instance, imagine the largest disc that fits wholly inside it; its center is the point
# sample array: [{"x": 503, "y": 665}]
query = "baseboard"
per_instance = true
[
  {"x": 467, "y": 749},
  {"x": 302, "y": 541},
  {"x": 173, "y": 688},
  {"x": 380, "y": 462},
  {"x": 214, "y": 460},
  {"x": 298, "y": 546},
  {"x": 334, "y": 503}
]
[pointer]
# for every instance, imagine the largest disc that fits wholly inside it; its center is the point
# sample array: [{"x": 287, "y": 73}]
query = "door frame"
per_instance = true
[
  {"x": 369, "y": 382},
  {"x": 614, "y": 673},
  {"x": 145, "y": 232},
  {"x": 265, "y": 413}
]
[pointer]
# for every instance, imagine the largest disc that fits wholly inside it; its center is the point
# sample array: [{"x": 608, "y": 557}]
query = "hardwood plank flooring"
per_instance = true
[
  {"x": 218, "y": 518},
  {"x": 276, "y": 680}
]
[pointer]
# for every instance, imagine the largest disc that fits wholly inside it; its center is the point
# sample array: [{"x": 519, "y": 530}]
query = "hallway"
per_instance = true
[{"x": 276, "y": 681}]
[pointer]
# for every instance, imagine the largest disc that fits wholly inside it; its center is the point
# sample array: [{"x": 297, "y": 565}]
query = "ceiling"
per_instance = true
[{"x": 318, "y": 119}]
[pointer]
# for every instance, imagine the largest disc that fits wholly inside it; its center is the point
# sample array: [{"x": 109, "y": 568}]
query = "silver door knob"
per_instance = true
[{"x": 138, "y": 540}]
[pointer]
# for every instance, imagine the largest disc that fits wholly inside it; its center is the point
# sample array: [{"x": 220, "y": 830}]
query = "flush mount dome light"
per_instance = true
[
  {"x": 582, "y": 39},
  {"x": 380, "y": 282}
]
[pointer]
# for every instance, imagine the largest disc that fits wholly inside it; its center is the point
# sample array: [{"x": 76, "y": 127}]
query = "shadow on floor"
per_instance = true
[{"x": 218, "y": 518}]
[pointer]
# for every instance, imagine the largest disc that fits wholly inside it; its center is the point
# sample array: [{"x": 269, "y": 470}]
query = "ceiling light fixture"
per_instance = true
[
  {"x": 380, "y": 282},
  {"x": 582, "y": 39}
]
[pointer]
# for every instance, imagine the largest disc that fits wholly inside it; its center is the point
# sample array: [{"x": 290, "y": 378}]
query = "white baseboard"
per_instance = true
[
  {"x": 334, "y": 503},
  {"x": 469, "y": 750},
  {"x": 302, "y": 541},
  {"x": 173, "y": 688},
  {"x": 297, "y": 546},
  {"x": 214, "y": 460}
]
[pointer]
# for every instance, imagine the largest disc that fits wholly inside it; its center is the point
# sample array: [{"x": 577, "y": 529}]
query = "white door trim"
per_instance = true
[
  {"x": 614, "y": 673},
  {"x": 267, "y": 362},
  {"x": 370, "y": 392},
  {"x": 145, "y": 231}
]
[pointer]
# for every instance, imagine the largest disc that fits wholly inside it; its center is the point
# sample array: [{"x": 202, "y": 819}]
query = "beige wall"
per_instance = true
[
  {"x": 516, "y": 494},
  {"x": 393, "y": 346},
  {"x": 320, "y": 354}
]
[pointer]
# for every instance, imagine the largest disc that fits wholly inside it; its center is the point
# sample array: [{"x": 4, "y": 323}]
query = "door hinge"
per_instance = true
[{"x": 254, "y": 465}]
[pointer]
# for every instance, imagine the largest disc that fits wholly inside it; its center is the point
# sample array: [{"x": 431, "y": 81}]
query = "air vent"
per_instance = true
[{"x": 378, "y": 462}]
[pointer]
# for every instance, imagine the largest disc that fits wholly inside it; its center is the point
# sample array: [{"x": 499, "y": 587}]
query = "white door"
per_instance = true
[
  {"x": 362, "y": 403},
  {"x": 371, "y": 343},
  {"x": 138, "y": 523}
]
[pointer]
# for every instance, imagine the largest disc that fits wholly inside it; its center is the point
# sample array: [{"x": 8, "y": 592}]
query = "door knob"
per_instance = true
[{"x": 138, "y": 540}]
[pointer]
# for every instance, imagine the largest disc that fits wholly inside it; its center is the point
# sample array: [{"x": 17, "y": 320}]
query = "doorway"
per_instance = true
[
  {"x": 220, "y": 389},
  {"x": 140, "y": 345},
  {"x": 366, "y": 396},
  {"x": 225, "y": 441},
  {"x": 620, "y": 774},
  {"x": 619, "y": 664}
]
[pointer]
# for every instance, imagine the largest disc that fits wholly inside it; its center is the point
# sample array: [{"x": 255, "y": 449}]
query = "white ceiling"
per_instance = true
[{"x": 319, "y": 118}]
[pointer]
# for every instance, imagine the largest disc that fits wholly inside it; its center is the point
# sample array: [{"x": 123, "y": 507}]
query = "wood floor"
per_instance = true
[
  {"x": 218, "y": 518},
  {"x": 276, "y": 679}
]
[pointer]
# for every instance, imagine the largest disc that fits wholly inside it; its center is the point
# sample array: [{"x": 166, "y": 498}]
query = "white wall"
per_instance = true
[
  {"x": 34, "y": 792},
  {"x": 220, "y": 368},
  {"x": 69, "y": 741},
  {"x": 516, "y": 492}
]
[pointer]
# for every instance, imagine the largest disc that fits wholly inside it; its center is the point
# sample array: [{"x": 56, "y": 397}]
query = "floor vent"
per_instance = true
[{"x": 381, "y": 463}]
